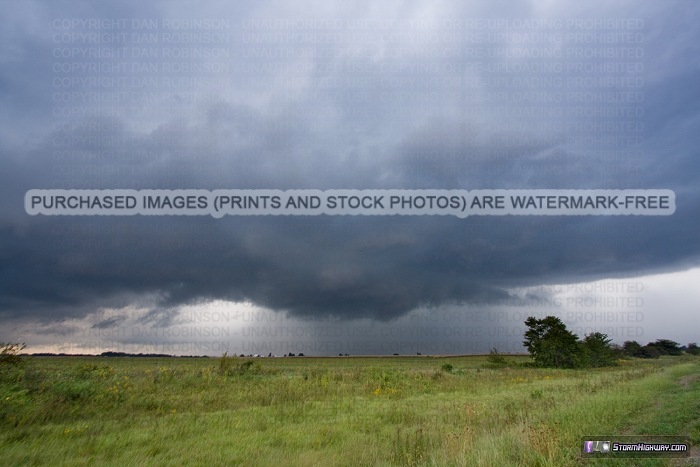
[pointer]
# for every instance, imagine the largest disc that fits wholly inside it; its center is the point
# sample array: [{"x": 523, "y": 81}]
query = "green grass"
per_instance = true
[{"x": 332, "y": 411}]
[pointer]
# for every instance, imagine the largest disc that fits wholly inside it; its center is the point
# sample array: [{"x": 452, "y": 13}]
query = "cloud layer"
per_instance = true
[{"x": 352, "y": 101}]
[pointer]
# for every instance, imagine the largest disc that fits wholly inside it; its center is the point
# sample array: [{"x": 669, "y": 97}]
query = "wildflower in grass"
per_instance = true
[{"x": 392, "y": 391}]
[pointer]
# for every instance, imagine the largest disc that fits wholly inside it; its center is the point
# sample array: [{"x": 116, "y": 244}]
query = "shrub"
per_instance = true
[
  {"x": 229, "y": 366},
  {"x": 632, "y": 348},
  {"x": 249, "y": 367},
  {"x": 597, "y": 350},
  {"x": 667, "y": 347},
  {"x": 226, "y": 364},
  {"x": 447, "y": 368},
  {"x": 10, "y": 354},
  {"x": 648, "y": 351},
  {"x": 496, "y": 359}
]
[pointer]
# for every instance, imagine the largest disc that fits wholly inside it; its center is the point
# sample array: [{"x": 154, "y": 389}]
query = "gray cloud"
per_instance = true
[
  {"x": 292, "y": 129},
  {"x": 110, "y": 322}
]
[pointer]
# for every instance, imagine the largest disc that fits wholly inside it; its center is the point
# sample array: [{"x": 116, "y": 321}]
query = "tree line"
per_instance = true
[{"x": 552, "y": 345}]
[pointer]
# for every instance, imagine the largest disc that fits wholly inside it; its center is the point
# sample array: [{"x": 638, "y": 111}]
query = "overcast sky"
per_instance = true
[{"x": 338, "y": 95}]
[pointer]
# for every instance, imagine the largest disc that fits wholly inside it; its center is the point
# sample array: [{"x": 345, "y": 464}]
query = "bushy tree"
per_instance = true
[
  {"x": 618, "y": 351},
  {"x": 632, "y": 348},
  {"x": 667, "y": 347},
  {"x": 652, "y": 349},
  {"x": 551, "y": 344},
  {"x": 648, "y": 351},
  {"x": 597, "y": 350}
]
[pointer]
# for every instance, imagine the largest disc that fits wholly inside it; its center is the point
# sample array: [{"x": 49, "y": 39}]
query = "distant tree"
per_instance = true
[
  {"x": 632, "y": 348},
  {"x": 667, "y": 347},
  {"x": 618, "y": 351},
  {"x": 648, "y": 351},
  {"x": 597, "y": 350},
  {"x": 692, "y": 349},
  {"x": 550, "y": 344}
]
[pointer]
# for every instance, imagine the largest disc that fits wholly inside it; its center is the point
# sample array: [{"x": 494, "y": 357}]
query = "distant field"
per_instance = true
[{"x": 333, "y": 411}]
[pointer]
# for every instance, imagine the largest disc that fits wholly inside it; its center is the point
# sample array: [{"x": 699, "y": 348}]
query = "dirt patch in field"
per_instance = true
[{"x": 686, "y": 381}]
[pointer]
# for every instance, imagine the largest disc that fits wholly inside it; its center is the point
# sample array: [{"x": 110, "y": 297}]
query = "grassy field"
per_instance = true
[{"x": 333, "y": 411}]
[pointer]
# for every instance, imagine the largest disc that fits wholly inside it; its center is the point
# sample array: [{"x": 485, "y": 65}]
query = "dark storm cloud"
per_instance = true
[{"x": 348, "y": 267}]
